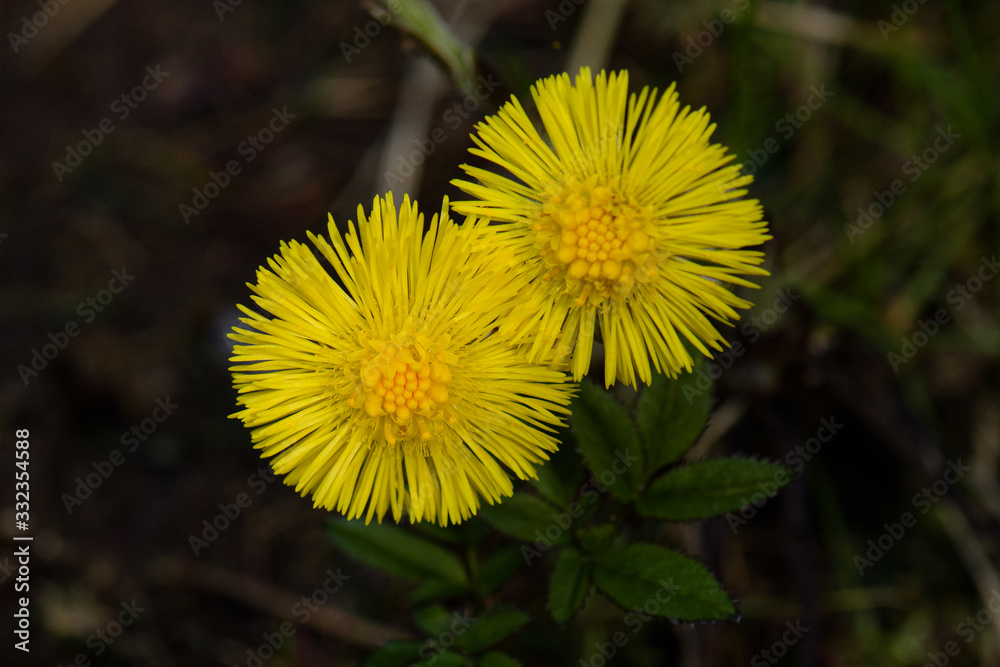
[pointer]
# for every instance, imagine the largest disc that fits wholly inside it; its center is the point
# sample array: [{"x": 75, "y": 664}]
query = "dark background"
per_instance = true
[{"x": 854, "y": 297}]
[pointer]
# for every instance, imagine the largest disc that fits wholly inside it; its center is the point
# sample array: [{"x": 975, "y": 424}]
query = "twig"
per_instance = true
[
  {"x": 422, "y": 86},
  {"x": 72, "y": 21},
  {"x": 170, "y": 571},
  {"x": 596, "y": 35},
  {"x": 977, "y": 562}
]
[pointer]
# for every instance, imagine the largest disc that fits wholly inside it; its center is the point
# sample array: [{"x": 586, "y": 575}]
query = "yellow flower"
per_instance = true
[
  {"x": 624, "y": 213},
  {"x": 388, "y": 386}
]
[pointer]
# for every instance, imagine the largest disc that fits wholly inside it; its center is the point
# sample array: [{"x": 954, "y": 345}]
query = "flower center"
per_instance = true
[
  {"x": 405, "y": 380},
  {"x": 595, "y": 240}
]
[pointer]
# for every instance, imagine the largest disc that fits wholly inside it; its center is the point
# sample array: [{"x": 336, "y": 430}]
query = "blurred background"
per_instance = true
[{"x": 155, "y": 153}]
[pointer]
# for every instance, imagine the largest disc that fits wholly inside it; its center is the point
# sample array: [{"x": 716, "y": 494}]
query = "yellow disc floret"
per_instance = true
[
  {"x": 405, "y": 381},
  {"x": 595, "y": 240}
]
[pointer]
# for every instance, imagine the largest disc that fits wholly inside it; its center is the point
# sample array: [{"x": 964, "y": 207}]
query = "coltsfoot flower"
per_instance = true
[
  {"x": 623, "y": 213},
  {"x": 388, "y": 388}
]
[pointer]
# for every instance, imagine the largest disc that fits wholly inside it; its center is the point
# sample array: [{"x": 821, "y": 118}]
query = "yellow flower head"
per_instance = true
[
  {"x": 624, "y": 212},
  {"x": 388, "y": 387}
]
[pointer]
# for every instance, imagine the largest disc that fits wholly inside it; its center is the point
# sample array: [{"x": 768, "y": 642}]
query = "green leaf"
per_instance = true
[
  {"x": 524, "y": 516},
  {"x": 397, "y": 551},
  {"x": 662, "y": 582},
  {"x": 498, "y": 568},
  {"x": 446, "y": 534},
  {"x": 432, "y": 619},
  {"x": 420, "y": 19},
  {"x": 569, "y": 584},
  {"x": 597, "y": 539},
  {"x": 559, "y": 480},
  {"x": 445, "y": 659},
  {"x": 395, "y": 654},
  {"x": 467, "y": 632},
  {"x": 467, "y": 532},
  {"x": 490, "y": 628},
  {"x": 608, "y": 440},
  {"x": 496, "y": 659},
  {"x": 437, "y": 590},
  {"x": 672, "y": 414},
  {"x": 709, "y": 488}
]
